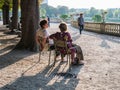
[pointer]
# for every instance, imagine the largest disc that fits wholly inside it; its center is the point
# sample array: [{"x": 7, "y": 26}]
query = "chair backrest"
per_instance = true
[
  {"x": 61, "y": 45},
  {"x": 46, "y": 47}
]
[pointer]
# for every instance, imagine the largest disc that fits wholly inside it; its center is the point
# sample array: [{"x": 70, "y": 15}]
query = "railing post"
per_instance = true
[{"x": 102, "y": 28}]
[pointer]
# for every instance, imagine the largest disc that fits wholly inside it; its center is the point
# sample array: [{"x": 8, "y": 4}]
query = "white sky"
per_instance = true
[{"x": 98, "y": 4}]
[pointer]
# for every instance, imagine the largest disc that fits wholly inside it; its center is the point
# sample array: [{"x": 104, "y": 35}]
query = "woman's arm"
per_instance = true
[{"x": 53, "y": 36}]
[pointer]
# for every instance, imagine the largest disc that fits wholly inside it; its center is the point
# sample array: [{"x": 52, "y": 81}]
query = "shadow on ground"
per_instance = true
[
  {"x": 7, "y": 55},
  {"x": 13, "y": 40},
  {"x": 47, "y": 79},
  {"x": 12, "y": 57}
]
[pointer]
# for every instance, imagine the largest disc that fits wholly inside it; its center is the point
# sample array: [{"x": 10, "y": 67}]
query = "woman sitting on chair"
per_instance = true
[
  {"x": 64, "y": 36},
  {"x": 42, "y": 36}
]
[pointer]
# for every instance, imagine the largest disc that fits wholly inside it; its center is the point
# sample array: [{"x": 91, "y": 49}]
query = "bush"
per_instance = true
[
  {"x": 97, "y": 18},
  {"x": 64, "y": 17}
]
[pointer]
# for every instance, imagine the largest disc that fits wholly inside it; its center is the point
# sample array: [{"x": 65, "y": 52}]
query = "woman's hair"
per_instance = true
[
  {"x": 42, "y": 23},
  {"x": 63, "y": 27}
]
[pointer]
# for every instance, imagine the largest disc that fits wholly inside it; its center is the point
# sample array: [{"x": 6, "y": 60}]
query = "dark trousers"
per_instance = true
[
  {"x": 52, "y": 47},
  {"x": 81, "y": 27}
]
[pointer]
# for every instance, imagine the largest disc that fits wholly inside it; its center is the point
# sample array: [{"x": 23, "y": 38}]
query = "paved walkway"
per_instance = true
[
  {"x": 100, "y": 72},
  {"x": 1, "y": 22}
]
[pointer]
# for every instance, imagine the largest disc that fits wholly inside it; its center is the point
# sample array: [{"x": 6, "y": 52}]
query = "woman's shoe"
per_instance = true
[{"x": 73, "y": 63}]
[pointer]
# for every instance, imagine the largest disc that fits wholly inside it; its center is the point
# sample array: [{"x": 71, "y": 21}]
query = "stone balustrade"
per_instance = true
[{"x": 104, "y": 28}]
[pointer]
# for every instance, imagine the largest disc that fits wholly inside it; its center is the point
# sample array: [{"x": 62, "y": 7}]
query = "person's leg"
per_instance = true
[
  {"x": 62, "y": 57},
  {"x": 52, "y": 47},
  {"x": 72, "y": 55},
  {"x": 80, "y": 28}
]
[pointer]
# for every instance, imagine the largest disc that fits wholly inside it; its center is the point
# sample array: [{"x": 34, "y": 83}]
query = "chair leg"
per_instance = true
[
  {"x": 54, "y": 61},
  {"x": 69, "y": 61},
  {"x": 67, "y": 58},
  {"x": 39, "y": 56},
  {"x": 54, "y": 58},
  {"x": 49, "y": 57}
]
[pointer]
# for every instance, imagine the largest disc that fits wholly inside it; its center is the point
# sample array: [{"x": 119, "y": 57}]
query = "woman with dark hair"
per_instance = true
[{"x": 44, "y": 34}]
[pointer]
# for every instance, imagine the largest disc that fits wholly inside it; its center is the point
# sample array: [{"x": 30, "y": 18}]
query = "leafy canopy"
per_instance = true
[
  {"x": 6, "y": 2},
  {"x": 97, "y": 18}
]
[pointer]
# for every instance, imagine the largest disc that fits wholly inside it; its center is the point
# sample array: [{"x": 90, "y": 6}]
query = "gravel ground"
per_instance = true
[{"x": 20, "y": 70}]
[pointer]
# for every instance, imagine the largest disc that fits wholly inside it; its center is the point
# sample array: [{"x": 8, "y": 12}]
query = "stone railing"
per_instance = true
[{"x": 105, "y": 28}]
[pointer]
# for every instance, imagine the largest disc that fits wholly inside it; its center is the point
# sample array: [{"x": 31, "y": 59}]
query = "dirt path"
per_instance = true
[{"x": 20, "y": 70}]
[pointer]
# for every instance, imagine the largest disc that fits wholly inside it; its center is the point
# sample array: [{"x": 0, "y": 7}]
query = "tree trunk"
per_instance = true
[
  {"x": 15, "y": 15},
  {"x": 30, "y": 23},
  {"x": 5, "y": 11}
]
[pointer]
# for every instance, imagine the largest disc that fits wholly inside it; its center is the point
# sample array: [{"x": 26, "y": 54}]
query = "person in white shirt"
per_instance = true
[{"x": 44, "y": 34}]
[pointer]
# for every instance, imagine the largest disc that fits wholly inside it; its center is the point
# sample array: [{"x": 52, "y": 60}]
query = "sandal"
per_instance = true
[{"x": 73, "y": 63}]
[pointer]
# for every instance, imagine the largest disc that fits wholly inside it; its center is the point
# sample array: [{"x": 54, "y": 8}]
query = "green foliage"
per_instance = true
[
  {"x": 50, "y": 11},
  {"x": 116, "y": 13},
  {"x": 54, "y": 12},
  {"x": 1, "y": 3},
  {"x": 62, "y": 9},
  {"x": 110, "y": 13},
  {"x": 88, "y": 13},
  {"x": 6, "y": 2},
  {"x": 42, "y": 12},
  {"x": 93, "y": 11},
  {"x": 43, "y": 17},
  {"x": 97, "y": 18},
  {"x": 64, "y": 17}
]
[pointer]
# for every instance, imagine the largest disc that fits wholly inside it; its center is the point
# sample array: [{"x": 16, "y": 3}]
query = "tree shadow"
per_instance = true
[
  {"x": 47, "y": 79},
  {"x": 3, "y": 29},
  {"x": 9, "y": 56},
  {"x": 6, "y": 48},
  {"x": 13, "y": 56},
  {"x": 10, "y": 33},
  {"x": 3, "y": 35},
  {"x": 6, "y": 40},
  {"x": 7, "y": 31},
  {"x": 13, "y": 40},
  {"x": 104, "y": 44}
]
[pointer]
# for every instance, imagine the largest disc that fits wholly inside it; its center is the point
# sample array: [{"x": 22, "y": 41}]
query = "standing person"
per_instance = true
[
  {"x": 81, "y": 22},
  {"x": 48, "y": 19}
]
